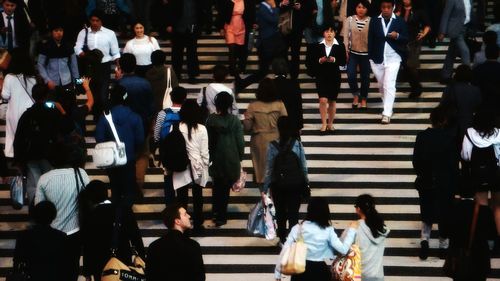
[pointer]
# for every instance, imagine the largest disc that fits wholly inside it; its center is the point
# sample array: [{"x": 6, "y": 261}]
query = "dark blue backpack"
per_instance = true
[{"x": 170, "y": 119}]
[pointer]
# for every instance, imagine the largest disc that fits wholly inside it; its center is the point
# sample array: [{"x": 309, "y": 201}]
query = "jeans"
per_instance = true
[
  {"x": 386, "y": 75},
  {"x": 34, "y": 170},
  {"x": 352, "y": 75},
  {"x": 457, "y": 45},
  {"x": 182, "y": 198}
]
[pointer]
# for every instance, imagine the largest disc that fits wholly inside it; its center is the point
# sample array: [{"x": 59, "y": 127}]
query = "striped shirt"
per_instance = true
[
  {"x": 355, "y": 33},
  {"x": 59, "y": 187}
]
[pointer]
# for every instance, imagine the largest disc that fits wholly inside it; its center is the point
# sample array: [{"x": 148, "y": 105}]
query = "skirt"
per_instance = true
[{"x": 315, "y": 271}]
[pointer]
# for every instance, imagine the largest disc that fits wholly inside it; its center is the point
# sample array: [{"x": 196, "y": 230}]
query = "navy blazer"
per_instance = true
[
  {"x": 377, "y": 38},
  {"x": 267, "y": 21}
]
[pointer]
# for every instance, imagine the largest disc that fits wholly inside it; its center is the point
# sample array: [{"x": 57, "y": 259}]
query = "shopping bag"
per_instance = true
[
  {"x": 167, "y": 101},
  {"x": 17, "y": 192},
  {"x": 348, "y": 267},
  {"x": 256, "y": 224},
  {"x": 293, "y": 257}
]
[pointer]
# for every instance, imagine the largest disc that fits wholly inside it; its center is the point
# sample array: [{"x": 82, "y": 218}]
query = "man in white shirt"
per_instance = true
[
  {"x": 97, "y": 37},
  {"x": 220, "y": 73}
]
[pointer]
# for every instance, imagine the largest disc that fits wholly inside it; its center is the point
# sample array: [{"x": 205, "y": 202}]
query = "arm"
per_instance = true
[
  {"x": 445, "y": 17},
  {"x": 205, "y": 157},
  {"x": 159, "y": 122},
  {"x": 156, "y": 46},
  {"x": 128, "y": 48},
  {"x": 138, "y": 131},
  {"x": 248, "y": 121},
  {"x": 234, "y": 107},
  {"x": 403, "y": 32},
  {"x": 88, "y": 93},
  {"x": 342, "y": 246},
  {"x": 418, "y": 159},
  {"x": 74, "y": 66},
  {"x": 240, "y": 141},
  {"x": 6, "y": 92},
  {"x": 371, "y": 37},
  {"x": 100, "y": 130},
  {"x": 340, "y": 56},
  {"x": 466, "y": 148},
  {"x": 39, "y": 194},
  {"x": 42, "y": 70},
  {"x": 79, "y": 42},
  {"x": 303, "y": 161},
  {"x": 114, "y": 49}
]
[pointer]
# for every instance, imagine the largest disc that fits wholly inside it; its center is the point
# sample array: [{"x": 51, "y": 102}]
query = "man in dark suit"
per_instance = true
[
  {"x": 486, "y": 78},
  {"x": 456, "y": 15},
  {"x": 184, "y": 21},
  {"x": 175, "y": 257},
  {"x": 387, "y": 39},
  {"x": 15, "y": 28}
]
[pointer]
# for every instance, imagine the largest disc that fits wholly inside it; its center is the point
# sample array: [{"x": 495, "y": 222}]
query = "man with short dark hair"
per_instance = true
[
  {"x": 485, "y": 76},
  {"x": 175, "y": 257},
  {"x": 15, "y": 29},
  {"x": 220, "y": 73}
]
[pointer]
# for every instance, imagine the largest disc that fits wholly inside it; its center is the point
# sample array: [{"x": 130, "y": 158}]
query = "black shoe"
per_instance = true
[
  {"x": 424, "y": 250},
  {"x": 415, "y": 94},
  {"x": 220, "y": 223}
]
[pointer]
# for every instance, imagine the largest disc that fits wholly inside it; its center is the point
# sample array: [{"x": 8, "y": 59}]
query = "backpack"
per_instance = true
[
  {"x": 483, "y": 164},
  {"x": 173, "y": 152},
  {"x": 171, "y": 118},
  {"x": 287, "y": 171}
]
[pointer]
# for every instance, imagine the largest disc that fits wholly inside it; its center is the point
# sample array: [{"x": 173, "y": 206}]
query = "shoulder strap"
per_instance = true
[
  {"x": 112, "y": 125},
  {"x": 78, "y": 179},
  {"x": 169, "y": 78},
  {"x": 25, "y": 88},
  {"x": 85, "y": 41}
]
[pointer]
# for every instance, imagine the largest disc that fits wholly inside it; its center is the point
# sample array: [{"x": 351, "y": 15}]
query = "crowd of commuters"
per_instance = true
[{"x": 46, "y": 123}]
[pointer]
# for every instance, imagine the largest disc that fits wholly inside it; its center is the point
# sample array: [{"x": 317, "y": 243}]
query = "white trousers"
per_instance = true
[{"x": 386, "y": 74}]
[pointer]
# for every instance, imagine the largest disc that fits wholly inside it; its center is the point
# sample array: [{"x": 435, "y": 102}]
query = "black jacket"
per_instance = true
[
  {"x": 486, "y": 78},
  {"x": 291, "y": 95},
  {"x": 225, "y": 12},
  {"x": 303, "y": 17},
  {"x": 22, "y": 29},
  {"x": 43, "y": 250},
  {"x": 329, "y": 71},
  {"x": 175, "y": 257},
  {"x": 174, "y": 12}
]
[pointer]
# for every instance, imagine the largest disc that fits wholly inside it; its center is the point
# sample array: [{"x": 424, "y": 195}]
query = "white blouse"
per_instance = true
[{"x": 142, "y": 49}]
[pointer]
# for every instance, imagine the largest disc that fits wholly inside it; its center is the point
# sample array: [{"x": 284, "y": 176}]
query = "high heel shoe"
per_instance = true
[
  {"x": 323, "y": 130},
  {"x": 330, "y": 129}
]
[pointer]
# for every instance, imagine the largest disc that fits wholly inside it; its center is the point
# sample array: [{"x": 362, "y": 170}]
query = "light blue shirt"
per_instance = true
[
  {"x": 319, "y": 15},
  {"x": 58, "y": 70},
  {"x": 320, "y": 242}
]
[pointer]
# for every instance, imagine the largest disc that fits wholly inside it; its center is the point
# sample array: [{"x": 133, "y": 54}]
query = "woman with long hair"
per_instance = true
[
  {"x": 321, "y": 241},
  {"x": 141, "y": 46},
  {"x": 196, "y": 174},
  {"x": 16, "y": 89},
  {"x": 370, "y": 238}
]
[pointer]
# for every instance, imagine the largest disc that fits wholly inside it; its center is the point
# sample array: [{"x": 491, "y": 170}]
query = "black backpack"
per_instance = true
[
  {"x": 287, "y": 171},
  {"x": 173, "y": 152},
  {"x": 483, "y": 164}
]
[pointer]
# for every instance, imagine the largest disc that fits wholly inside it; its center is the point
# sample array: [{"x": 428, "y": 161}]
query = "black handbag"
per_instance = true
[{"x": 19, "y": 272}]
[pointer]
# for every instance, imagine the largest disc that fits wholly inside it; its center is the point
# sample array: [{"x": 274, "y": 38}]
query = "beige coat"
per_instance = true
[{"x": 261, "y": 121}]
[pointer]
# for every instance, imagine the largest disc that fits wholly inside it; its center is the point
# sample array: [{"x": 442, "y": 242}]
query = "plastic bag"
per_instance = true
[
  {"x": 256, "y": 225},
  {"x": 17, "y": 192}
]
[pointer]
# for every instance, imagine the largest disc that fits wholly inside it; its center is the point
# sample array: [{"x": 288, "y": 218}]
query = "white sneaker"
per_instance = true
[{"x": 385, "y": 120}]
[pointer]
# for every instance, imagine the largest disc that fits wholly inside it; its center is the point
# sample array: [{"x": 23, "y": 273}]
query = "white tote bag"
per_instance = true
[
  {"x": 167, "y": 101},
  {"x": 111, "y": 153}
]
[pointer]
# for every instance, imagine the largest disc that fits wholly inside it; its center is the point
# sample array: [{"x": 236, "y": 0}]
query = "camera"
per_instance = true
[
  {"x": 50, "y": 104},
  {"x": 78, "y": 81}
]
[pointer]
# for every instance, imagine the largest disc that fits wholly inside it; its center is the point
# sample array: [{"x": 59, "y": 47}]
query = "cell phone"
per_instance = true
[
  {"x": 50, "y": 104},
  {"x": 79, "y": 81}
]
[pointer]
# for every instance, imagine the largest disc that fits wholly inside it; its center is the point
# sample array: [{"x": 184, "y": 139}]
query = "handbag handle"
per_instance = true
[{"x": 112, "y": 125}]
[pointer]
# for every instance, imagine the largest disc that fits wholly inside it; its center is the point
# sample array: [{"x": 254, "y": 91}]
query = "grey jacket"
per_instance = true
[
  {"x": 452, "y": 20},
  {"x": 372, "y": 252}
]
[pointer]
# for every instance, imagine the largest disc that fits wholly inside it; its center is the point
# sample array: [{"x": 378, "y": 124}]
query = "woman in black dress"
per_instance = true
[{"x": 330, "y": 55}]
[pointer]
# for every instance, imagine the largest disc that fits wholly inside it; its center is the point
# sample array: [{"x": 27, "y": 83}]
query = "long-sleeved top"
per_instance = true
[
  {"x": 211, "y": 91},
  {"x": 139, "y": 97},
  {"x": 382, "y": 49},
  {"x": 467, "y": 146},
  {"x": 57, "y": 63},
  {"x": 175, "y": 257},
  {"x": 128, "y": 126},
  {"x": 163, "y": 116},
  {"x": 60, "y": 187},
  {"x": 197, "y": 149},
  {"x": 142, "y": 48},
  {"x": 320, "y": 242},
  {"x": 355, "y": 33},
  {"x": 272, "y": 152},
  {"x": 103, "y": 39},
  {"x": 291, "y": 95},
  {"x": 372, "y": 252},
  {"x": 267, "y": 20}
]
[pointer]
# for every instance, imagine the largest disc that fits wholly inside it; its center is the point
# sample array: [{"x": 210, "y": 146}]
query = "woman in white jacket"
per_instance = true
[
  {"x": 370, "y": 238},
  {"x": 483, "y": 134},
  {"x": 195, "y": 176}
]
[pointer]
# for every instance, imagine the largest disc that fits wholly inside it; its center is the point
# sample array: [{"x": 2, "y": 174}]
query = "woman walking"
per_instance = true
[{"x": 141, "y": 46}]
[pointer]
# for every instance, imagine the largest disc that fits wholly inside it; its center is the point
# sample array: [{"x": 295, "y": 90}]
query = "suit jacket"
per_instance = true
[
  {"x": 452, "y": 20},
  {"x": 328, "y": 71},
  {"x": 301, "y": 18},
  {"x": 486, "y": 78},
  {"x": 377, "y": 38},
  {"x": 267, "y": 21},
  {"x": 290, "y": 94},
  {"x": 175, "y": 257},
  {"x": 174, "y": 12},
  {"x": 225, "y": 12},
  {"x": 22, "y": 30}
]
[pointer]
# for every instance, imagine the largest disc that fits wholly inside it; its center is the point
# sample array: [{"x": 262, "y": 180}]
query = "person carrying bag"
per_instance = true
[{"x": 111, "y": 153}]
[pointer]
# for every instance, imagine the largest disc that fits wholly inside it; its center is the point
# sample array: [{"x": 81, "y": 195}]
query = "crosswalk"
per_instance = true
[{"x": 361, "y": 157}]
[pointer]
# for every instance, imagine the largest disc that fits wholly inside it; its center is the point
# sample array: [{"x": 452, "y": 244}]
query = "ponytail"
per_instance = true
[{"x": 373, "y": 219}]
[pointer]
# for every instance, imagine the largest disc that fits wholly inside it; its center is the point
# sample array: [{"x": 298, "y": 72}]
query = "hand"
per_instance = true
[
  {"x": 51, "y": 85},
  {"x": 82, "y": 54},
  {"x": 323, "y": 60},
  {"x": 118, "y": 73},
  {"x": 88, "y": 278},
  {"x": 169, "y": 29},
  {"x": 222, "y": 32},
  {"x": 86, "y": 83},
  {"x": 440, "y": 37},
  {"x": 420, "y": 36},
  {"x": 271, "y": 3},
  {"x": 285, "y": 3},
  {"x": 393, "y": 35},
  {"x": 331, "y": 59},
  {"x": 354, "y": 224},
  {"x": 297, "y": 6},
  {"x": 247, "y": 115}
]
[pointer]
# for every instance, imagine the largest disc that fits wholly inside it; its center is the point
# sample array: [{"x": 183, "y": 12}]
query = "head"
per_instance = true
[
  {"x": 158, "y": 58},
  {"x": 117, "y": 94},
  {"x": 9, "y": 6},
  {"x": 96, "y": 192},
  {"x": 318, "y": 212},
  {"x": 190, "y": 114},
  {"x": 40, "y": 92},
  {"x": 484, "y": 121},
  {"x": 138, "y": 29},
  {"x": 21, "y": 63},
  {"x": 463, "y": 73},
  {"x": 57, "y": 34},
  {"x": 329, "y": 33},
  {"x": 280, "y": 66},
  {"x": 176, "y": 217},
  {"x": 220, "y": 73},
  {"x": 95, "y": 19},
  {"x": 286, "y": 129},
  {"x": 491, "y": 51},
  {"x": 267, "y": 91},
  {"x": 128, "y": 63},
  {"x": 362, "y": 7},
  {"x": 223, "y": 103},
  {"x": 407, "y": 3},
  {"x": 365, "y": 208},
  {"x": 44, "y": 213},
  {"x": 439, "y": 116},
  {"x": 386, "y": 8},
  {"x": 178, "y": 95}
]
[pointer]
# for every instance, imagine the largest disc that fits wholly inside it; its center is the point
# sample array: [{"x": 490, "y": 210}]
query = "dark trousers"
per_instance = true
[
  {"x": 208, "y": 16},
  {"x": 220, "y": 198},
  {"x": 123, "y": 184},
  {"x": 168, "y": 187},
  {"x": 352, "y": 74},
  {"x": 189, "y": 41},
  {"x": 73, "y": 250},
  {"x": 99, "y": 86},
  {"x": 182, "y": 198},
  {"x": 237, "y": 58},
  {"x": 293, "y": 41},
  {"x": 411, "y": 65},
  {"x": 287, "y": 204}
]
